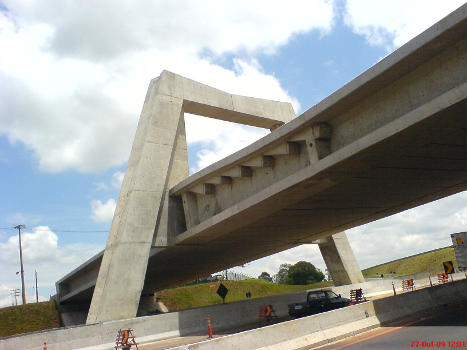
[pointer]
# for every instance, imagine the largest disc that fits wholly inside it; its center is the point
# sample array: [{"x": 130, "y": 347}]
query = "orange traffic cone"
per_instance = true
[{"x": 209, "y": 326}]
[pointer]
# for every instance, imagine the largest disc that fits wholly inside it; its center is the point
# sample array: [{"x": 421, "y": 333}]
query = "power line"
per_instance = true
[{"x": 58, "y": 230}]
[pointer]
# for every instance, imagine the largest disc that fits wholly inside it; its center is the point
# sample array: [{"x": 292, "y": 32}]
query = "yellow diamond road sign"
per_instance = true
[{"x": 448, "y": 267}]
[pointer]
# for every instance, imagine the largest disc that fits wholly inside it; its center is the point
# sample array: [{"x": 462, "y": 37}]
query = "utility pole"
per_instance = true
[
  {"x": 37, "y": 293},
  {"x": 19, "y": 227}
]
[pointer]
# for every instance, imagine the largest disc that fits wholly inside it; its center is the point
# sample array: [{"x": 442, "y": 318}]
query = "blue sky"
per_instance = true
[{"x": 73, "y": 80}]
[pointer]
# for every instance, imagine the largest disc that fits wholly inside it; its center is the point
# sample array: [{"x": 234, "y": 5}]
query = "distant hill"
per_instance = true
[{"x": 431, "y": 261}]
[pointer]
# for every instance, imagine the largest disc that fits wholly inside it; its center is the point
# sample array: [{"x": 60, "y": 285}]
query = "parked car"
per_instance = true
[{"x": 316, "y": 302}]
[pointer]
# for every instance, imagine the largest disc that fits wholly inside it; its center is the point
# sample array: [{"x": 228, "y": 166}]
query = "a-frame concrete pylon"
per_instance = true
[{"x": 158, "y": 161}]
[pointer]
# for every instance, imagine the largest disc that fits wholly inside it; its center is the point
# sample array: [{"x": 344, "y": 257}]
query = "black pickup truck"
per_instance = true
[{"x": 316, "y": 302}]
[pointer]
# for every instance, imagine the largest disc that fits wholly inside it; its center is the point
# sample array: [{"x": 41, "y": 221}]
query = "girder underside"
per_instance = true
[{"x": 420, "y": 164}]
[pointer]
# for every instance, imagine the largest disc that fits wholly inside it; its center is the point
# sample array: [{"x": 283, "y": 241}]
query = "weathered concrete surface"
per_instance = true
[
  {"x": 340, "y": 260},
  {"x": 145, "y": 212},
  {"x": 391, "y": 139}
]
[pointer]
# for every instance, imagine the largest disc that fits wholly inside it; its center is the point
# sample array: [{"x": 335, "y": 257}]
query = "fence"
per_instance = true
[{"x": 237, "y": 276}]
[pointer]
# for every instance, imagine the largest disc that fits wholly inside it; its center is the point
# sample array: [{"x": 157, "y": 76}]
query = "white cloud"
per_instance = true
[
  {"x": 117, "y": 179},
  {"x": 37, "y": 246},
  {"x": 393, "y": 23},
  {"x": 74, "y": 79},
  {"x": 217, "y": 139},
  {"x": 103, "y": 212},
  {"x": 41, "y": 252},
  {"x": 270, "y": 264},
  {"x": 410, "y": 232},
  {"x": 108, "y": 28},
  {"x": 100, "y": 186},
  {"x": 5, "y": 296}
]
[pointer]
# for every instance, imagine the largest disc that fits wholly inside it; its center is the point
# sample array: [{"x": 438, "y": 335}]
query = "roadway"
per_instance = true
[
  {"x": 195, "y": 338},
  {"x": 445, "y": 330},
  {"x": 448, "y": 327}
]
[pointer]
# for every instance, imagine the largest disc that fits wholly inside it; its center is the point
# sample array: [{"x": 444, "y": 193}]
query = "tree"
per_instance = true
[
  {"x": 304, "y": 272},
  {"x": 265, "y": 276},
  {"x": 282, "y": 274}
]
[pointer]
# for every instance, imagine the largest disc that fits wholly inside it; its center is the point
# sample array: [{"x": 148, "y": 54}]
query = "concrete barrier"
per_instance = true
[
  {"x": 184, "y": 322},
  {"x": 337, "y": 324},
  {"x": 193, "y": 321}
]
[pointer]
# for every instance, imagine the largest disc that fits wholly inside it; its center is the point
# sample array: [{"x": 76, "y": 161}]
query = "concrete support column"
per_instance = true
[
  {"x": 157, "y": 161},
  {"x": 340, "y": 260}
]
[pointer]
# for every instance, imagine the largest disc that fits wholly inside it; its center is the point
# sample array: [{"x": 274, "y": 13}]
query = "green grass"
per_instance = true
[
  {"x": 36, "y": 317},
  {"x": 28, "y": 318},
  {"x": 205, "y": 294},
  {"x": 428, "y": 262}
]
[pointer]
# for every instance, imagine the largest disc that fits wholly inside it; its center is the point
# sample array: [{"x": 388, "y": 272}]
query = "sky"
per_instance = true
[{"x": 73, "y": 77}]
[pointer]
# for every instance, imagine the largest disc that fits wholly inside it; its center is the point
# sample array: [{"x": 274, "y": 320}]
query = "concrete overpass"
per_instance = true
[{"x": 391, "y": 139}]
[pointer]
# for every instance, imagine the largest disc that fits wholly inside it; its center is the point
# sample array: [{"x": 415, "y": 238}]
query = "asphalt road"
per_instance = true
[
  {"x": 177, "y": 341},
  {"x": 445, "y": 331},
  {"x": 448, "y": 327}
]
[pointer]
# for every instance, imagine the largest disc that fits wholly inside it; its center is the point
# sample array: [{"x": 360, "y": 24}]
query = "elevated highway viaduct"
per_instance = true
[{"x": 391, "y": 139}]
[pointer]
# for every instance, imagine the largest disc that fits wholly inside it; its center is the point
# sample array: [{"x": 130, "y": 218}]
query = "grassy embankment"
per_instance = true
[
  {"x": 35, "y": 317},
  {"x": 431, "y": 261},
  {"x": 28, "y": 318},
  {"x": 205, "y": 294}
]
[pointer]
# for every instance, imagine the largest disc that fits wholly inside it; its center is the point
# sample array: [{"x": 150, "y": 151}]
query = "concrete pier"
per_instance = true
[{"x": 340, "y": 260}]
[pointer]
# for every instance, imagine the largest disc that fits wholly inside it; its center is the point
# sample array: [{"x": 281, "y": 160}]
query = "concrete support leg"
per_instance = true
[
  {"x": 142, "y": 206},
  {"x": 340, "y": 260}
]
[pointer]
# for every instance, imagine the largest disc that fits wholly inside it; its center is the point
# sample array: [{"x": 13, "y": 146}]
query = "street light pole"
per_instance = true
[{"x": 19, "y": 227}]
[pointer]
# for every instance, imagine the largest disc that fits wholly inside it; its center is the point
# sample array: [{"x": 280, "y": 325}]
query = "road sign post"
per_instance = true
[
  {"x": 448, "y": 267},
  {"x": 222, "y": 292}
]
